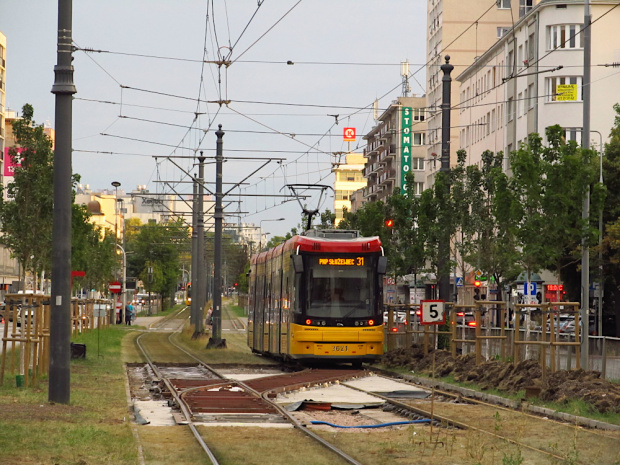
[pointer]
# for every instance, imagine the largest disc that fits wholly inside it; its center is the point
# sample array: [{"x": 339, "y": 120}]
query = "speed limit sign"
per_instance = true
[{"x": 432, "y": 312}]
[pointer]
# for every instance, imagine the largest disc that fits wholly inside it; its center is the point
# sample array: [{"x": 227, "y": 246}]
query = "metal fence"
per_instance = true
[{"x": 560, "y": 352}]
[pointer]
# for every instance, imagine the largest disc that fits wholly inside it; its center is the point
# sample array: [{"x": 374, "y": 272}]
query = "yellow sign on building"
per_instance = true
[{"x": 566, "y": 92}]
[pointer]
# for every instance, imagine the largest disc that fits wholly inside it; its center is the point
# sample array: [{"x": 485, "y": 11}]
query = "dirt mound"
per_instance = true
[{"x": 561, "y": 386}]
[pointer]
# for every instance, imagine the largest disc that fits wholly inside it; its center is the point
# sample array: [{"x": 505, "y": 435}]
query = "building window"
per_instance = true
[
  {"x": 520, "y": 111},
  {"x": 510, "y": 109},
  {"x": 531, "y": 97},
  {"x": 572, "y": 134},
  {"x": 417, "y": 164},
  {"x": 524, "y": 7},
  {"x": 572, "y": 94},
  {"x": 503, "y": 4},
  {"x": 418, "y": 188},
  {"x": 419, "y": 114},
  {"x": 418, "y": 138},
  {"x": 564, "y": 36}
]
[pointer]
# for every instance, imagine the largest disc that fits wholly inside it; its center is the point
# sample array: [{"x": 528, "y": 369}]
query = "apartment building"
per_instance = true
[
  {"x": 9, "y": 268},
  {"x": 532, "y": 78},
  {"x": 464, "y": 31},
  {"x": 395, "y": 146},
  {"x": 349, "y": 178},
  {"x": 2, "y": 102}
]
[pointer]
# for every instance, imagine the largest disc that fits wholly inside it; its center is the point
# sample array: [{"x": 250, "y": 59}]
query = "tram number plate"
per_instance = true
[{"x": 340, "y": 348}]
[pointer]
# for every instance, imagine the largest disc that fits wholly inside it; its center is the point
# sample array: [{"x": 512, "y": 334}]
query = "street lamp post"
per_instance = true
[
  {"x": 599, "y": 325},
  {"x": 123, "y": 284},
  {"x": 116, "y": 185},
  {"x": 260, "y": 228}
]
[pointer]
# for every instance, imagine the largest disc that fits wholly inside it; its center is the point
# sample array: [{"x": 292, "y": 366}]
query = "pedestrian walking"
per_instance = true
[
  {"x": 128, "y": 314},
  {"x": 209, "y": 316}
]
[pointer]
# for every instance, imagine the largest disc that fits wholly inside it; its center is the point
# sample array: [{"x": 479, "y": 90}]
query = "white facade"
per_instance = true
[
  {"x": 349, "y": 178},
  {"x": 464, "y": 30},
  {"x": 533, "y": 92}
]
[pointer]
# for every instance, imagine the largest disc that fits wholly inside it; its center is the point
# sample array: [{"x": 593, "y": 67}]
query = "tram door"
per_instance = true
[
  {"x": 277, "y": 317},
  {"x": 259, "y": 315}
]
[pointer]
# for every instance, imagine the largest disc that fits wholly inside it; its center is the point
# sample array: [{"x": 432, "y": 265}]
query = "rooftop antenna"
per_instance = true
[
  {"x": 404, "y": 72},
  {"x": 296, "y": 190}
]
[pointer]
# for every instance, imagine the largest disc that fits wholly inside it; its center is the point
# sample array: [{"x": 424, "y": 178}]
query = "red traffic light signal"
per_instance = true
[
  {"x": 477, "y": 283},
  {"x": 389, "y": 222}
]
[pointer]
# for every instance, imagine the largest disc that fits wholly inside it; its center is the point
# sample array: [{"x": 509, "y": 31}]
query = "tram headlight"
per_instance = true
[
  {"x": 371, "y": 322},
  {"x": 308, "y": 321}
]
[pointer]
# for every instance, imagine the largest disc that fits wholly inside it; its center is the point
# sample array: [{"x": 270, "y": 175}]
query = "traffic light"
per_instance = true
[
  {"x": 477, "y": 284},
  {"x": 389, "y": 222}
]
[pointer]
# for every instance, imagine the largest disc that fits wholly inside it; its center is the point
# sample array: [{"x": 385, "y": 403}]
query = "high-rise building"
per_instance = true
[
  {"x": 464, "y": 30},
  {"x": 532, "y": 78},
  {"x": 396, "y": 146},
  {"x": 349, "y": 178}
]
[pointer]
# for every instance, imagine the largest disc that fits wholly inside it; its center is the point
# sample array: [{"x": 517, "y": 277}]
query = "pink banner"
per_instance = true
[{"x": 9, "y": 162}]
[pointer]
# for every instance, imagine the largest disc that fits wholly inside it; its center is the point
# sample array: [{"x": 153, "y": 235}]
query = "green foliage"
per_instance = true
[
  {"x": 27, "y": 214},
  {"x": 157, "y": 246}
]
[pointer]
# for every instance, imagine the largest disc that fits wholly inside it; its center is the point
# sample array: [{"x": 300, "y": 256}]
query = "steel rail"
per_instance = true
[
  {"x": 286, "y": 414},
  {"x": 180, "y": 403},
  {"x": 458, "y": 423}
]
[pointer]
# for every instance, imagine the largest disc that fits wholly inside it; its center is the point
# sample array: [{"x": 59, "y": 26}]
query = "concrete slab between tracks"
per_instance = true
[
  {"x": 388, "y": 387},
  {"x": 332, "y": 394},
  {"x": 153, "y": 413}
]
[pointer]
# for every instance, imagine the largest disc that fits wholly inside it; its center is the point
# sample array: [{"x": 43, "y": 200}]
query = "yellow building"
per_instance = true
[{"x": 349, "y": 178}]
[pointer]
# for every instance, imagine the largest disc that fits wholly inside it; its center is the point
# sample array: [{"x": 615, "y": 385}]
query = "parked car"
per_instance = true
[{"x": 465, "y": 319}]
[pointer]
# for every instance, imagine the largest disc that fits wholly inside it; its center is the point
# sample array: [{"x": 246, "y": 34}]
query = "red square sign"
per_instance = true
[{"x": 349, "y": 134}]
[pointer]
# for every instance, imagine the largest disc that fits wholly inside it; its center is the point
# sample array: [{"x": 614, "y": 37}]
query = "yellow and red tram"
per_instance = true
[{"x": 318, "y": 296}]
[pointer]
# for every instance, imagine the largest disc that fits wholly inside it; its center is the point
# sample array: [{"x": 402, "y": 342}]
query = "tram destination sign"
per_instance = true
[{"x": 357, "y": 261}]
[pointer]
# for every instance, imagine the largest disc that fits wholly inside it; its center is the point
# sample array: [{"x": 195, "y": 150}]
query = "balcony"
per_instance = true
[
  {"x": 373, "y": 147},
  {"x": 370, "y": 169}
]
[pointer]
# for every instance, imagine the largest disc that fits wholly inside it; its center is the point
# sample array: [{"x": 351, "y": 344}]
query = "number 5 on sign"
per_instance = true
[{"x": 432, "y": 312}]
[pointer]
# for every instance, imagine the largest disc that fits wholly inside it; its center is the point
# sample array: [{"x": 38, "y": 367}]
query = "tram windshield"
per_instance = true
[{"x": 340, "y": 287}]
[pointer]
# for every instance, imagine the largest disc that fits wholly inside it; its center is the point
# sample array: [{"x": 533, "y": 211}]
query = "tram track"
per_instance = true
[
  {"x": 224, "y": 399},
  {"x": 499, "y": 423}
]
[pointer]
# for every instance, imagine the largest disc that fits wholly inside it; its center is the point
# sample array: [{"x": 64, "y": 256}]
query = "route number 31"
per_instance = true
[{"x": 432, "y": 312}]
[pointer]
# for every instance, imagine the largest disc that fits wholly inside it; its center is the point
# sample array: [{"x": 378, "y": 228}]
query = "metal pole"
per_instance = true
[
  {"x": 216, "y": 340},
  {"x": 443, "y": 272},
  {"x": 601, "y": 282},
  {"x": 201, "y": 284},
  {"x": 60, "y": 323},
  {"x": 194, "y": 266},
  {"x": 585, "y": 215},
  {"x": 124, "y": 285}
]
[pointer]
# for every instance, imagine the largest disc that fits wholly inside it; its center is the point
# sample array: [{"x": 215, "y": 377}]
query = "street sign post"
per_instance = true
[
  {"x": 115, "y": 287},
  {"x": 432, "y": 312}
]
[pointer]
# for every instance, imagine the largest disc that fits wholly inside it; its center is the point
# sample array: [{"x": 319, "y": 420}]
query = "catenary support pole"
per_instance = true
[
  {"x": 443, "y": 269},
  {"x": 585, "y": 144},
  {"x": 194, "y": 266},
  {"x": 216, "y": 340},
  {"x": 60, "y": 322},
  {"x": 201, "y": 283}
]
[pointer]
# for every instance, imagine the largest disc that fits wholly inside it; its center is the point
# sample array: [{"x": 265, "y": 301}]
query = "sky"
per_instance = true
[{"x": 146, "y": 101}]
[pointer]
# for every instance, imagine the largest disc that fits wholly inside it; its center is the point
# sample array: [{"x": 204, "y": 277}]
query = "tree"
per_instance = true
[
  {"x": 93, "y": 251},
  {"x": 26, "y": 215},
  {"x": 611, "y": 221},
  {"x": 156, "y": 248},
  {"x": 549, "y": 185}
]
